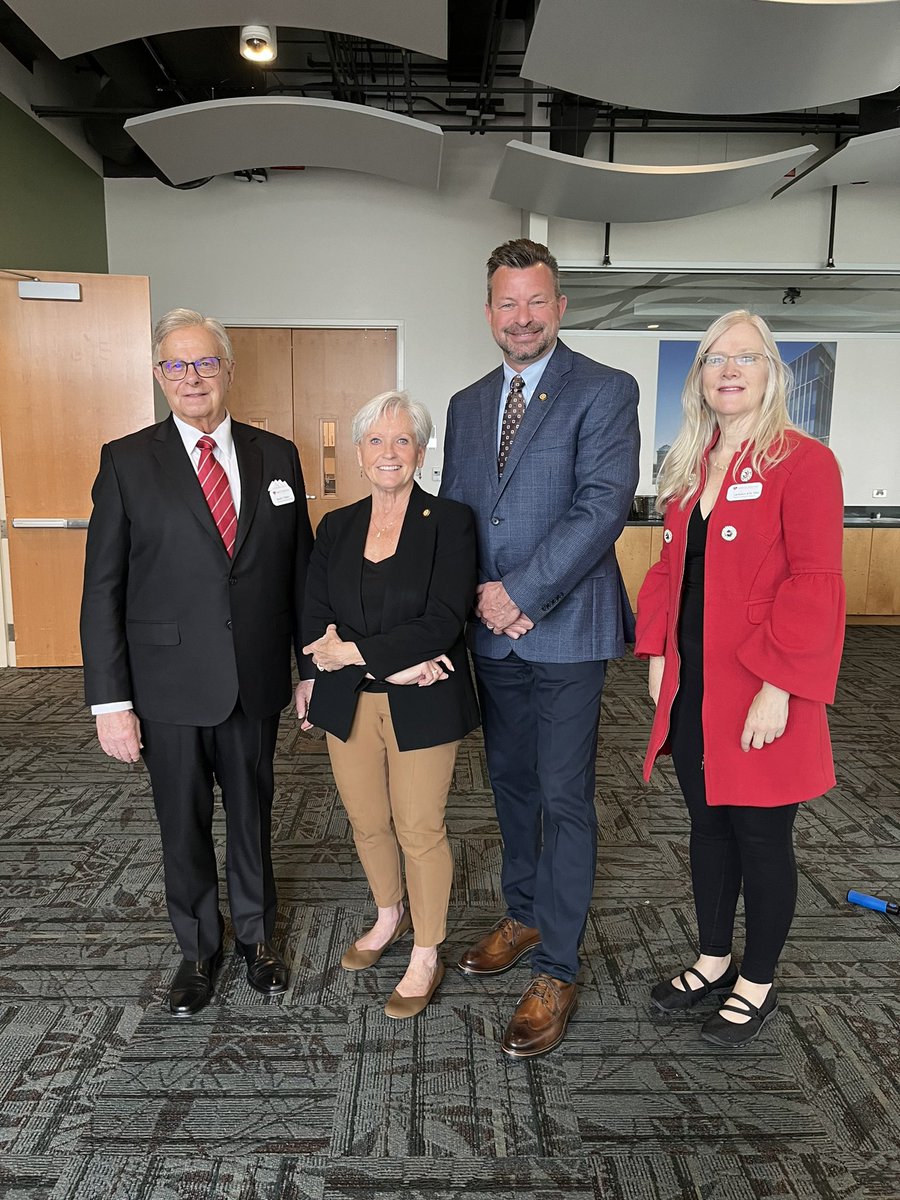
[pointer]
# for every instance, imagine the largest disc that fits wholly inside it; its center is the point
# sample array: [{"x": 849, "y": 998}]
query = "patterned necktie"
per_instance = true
[
  {"x": 214, "y": 482},
  {"x": 512, "y": 419}
]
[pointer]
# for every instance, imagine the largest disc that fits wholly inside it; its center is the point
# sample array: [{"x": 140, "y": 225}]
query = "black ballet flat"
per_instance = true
[
  {"x": 722, "y": 1032},
  {"x": 668, "y": 998}
]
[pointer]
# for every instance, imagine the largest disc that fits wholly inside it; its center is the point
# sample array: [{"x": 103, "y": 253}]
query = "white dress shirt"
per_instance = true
[{"x": 224, "y": 454}]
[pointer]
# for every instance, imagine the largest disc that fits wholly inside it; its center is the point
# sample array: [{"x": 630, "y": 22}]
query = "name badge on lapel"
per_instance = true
[
  {"x": 744, "y": 491},
  {"x": 280, "y": 492}
]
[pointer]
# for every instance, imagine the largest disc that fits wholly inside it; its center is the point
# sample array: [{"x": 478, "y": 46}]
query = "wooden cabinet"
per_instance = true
[
  {"x": 872, "y": 572},
  {"x": 857, "y": 550},
  {"x": 883, "y": 592},
  {"x": 633, "y": 553},
  {"x": 637, "y": 549}
]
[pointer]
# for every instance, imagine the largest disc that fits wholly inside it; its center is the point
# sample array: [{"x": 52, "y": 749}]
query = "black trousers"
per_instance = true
[
  {"x": 540, "y": 739},
  {"x": 731, "y": 845},
  {"x": 184, "y": 761}
]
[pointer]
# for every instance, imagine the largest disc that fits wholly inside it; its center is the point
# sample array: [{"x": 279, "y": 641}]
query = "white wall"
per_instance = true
[
  {"x": 328, "y": 245},
  {"x": 322, "y": 245}
]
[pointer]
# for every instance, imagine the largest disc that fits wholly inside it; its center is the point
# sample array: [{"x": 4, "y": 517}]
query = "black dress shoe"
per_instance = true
[
  {"x": 193, "y": 985},
  {"x": 667, "y": 997},
  {"x": 731, "y": 1034},
  {"x": 267, "y": 972}
]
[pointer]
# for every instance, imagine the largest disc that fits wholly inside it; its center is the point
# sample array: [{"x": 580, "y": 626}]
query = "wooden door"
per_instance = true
[
  {"x": 262, "y": 391},
  {"x": 75, "y": 375},
  {"x": 335, "y": 372}
]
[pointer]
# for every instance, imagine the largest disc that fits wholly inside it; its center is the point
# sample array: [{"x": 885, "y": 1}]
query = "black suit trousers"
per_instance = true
[
  {"x": 540, "y": 739},
  {"x": 184, "y": 761}
]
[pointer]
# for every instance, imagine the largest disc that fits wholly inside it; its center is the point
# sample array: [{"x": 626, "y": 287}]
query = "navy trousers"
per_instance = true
[
  {"x": 183, "y": 761},
  {"x": 540, "y": 736}
]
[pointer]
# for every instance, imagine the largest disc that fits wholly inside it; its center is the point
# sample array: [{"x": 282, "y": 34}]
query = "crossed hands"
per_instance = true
[
  {"x": 495, "y": 609},
  {"x": 331, "y": 653}
]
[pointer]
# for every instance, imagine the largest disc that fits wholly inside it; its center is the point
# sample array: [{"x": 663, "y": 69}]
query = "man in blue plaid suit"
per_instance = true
[{"x": 545, "y": 451}]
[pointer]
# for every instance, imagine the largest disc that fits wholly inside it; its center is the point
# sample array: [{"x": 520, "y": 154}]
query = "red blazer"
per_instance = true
[{"x": 773, "y": 610}]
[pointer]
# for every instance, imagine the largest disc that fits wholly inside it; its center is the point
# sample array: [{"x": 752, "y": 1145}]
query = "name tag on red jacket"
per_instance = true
[{"x": 744, "y": 491}]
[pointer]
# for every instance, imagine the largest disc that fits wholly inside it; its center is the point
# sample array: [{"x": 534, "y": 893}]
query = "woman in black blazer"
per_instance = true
[{"x": 390, "y": 583}]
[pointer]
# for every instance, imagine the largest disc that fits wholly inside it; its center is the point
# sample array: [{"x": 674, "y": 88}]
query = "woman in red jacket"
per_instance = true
[{"x": 742, "y": 620}]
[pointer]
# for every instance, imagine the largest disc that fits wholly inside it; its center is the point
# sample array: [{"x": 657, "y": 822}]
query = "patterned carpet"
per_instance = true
[{"x": 316, "y": 1095}]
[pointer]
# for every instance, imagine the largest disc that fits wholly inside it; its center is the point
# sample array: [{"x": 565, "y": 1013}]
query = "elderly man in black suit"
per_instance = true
[{"x": 194, "y": 582}]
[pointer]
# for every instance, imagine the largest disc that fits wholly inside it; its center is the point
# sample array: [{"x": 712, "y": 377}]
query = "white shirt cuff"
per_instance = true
[{"x": 115, "y": 706}]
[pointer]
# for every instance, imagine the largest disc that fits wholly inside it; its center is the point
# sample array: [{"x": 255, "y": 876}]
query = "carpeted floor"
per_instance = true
[{"x": 316, "y": 1095}]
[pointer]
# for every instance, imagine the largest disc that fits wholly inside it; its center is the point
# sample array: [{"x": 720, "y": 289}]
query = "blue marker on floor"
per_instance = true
[{"x": 873, "y": 902}]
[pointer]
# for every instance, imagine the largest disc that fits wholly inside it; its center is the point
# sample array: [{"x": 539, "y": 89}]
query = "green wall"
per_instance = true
[{"x": 51, "y": 203}]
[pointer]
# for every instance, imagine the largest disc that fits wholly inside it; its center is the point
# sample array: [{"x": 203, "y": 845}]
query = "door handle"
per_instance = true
[
  {"x": 309, "y": 497},
  {"x": 50, "y": 522}
]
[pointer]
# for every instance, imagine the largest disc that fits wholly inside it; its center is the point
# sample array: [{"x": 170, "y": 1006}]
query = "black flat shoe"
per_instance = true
[
  {"x": 193, "y": 985},
  {"x": 667, "y": 997},
  {"x": 267, "y": 972},
  {"x": 722, "y": 1032}
]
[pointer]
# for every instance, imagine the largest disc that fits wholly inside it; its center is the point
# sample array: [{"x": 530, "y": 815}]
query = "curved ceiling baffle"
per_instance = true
[
  {"x": 693, "y": 58},
  {"x": 561, "y": 185},
  {"x": 79, "y": 26},
  {"x": 222, "y": 136},
  {"x": 873, "y": 158}
]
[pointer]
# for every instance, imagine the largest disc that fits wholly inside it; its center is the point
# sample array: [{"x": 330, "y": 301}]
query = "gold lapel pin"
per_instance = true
[
  {"x": 426, "y": 512},
  {"x": 542, "y": 396}
]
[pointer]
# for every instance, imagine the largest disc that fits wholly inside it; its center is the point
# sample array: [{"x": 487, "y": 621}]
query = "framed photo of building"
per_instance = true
[{"x": 809, "y": 404}]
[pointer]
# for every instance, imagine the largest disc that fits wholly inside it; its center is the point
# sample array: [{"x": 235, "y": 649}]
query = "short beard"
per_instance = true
[{"x": 520, "y": 355}]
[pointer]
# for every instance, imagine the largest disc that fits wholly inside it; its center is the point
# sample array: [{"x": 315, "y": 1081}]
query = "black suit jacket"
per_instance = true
[
  {"x": 430, "y": 588},
  {"x": 168, "y": 620}
]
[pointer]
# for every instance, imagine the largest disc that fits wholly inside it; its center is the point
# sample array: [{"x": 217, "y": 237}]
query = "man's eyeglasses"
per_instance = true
[
  {"x": 177, "y": 368},
  {"x": 740, "y": 360}
]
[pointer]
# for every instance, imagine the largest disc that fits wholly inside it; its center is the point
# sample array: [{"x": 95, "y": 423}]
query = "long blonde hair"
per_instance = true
[{"x": 679, "y": 475}]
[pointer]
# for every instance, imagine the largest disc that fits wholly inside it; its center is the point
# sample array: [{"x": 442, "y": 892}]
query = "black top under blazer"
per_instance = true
[{"x": 429, "y": 593}]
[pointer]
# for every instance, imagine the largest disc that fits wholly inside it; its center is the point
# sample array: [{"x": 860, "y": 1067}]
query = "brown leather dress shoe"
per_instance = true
[
  {"x": 500, "y": 948},
  {"x": 539, "y": 1023}
]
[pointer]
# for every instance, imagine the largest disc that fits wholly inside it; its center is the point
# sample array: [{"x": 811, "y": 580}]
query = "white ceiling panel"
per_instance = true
[
  {"x": 561, "y": 185},
  {"x": 221, "y": 136},
  {"x": 76, "y": 26},
  {"x": 715, "y": 56},
  {"x": 872, "y": 158}
]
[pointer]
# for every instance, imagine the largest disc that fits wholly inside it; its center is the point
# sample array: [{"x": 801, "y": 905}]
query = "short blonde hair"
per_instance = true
[
  {"x": 186, "y": 318},
  {"x": 393, "y": 404}
]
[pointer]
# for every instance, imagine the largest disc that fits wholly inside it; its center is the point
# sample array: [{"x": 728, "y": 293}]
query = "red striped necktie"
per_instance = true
[{"x": 214, "y": 482}]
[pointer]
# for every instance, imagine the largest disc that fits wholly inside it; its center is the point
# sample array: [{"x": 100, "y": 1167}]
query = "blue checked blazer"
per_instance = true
[{"x": 548, "y": 528}]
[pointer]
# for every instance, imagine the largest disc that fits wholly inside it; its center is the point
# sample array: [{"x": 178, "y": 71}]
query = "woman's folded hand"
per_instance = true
[{"x": 423, "y": 674}]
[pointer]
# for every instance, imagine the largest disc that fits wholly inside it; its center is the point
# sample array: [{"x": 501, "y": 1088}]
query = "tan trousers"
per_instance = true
[{"x": 380, "y": 783}]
